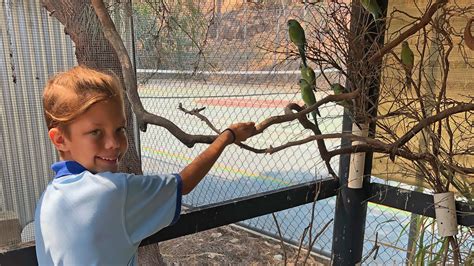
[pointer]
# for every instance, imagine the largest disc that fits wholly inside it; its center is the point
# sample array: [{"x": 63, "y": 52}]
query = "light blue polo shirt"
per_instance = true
[{"x": 99, "y": 219}]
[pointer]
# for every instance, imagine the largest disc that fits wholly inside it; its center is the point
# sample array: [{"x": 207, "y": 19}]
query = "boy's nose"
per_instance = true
[{"x": 112, "y": 143}]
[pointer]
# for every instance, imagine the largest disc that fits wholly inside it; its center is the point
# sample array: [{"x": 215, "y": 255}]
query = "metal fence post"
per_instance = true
[{"x": 351, "y": 204}]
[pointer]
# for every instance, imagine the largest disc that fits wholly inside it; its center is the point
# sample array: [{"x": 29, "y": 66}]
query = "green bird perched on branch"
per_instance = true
[
  {"x": 408, "y": 60},
  {"x": 297, "y": 36},
  {"x": 308, "y": 74},
  {"x": 348, "y": 104},
  {"x": 308, "y": 96},
  {"x": 372, "y": 7},
  {"x": 339, "y": 89}
]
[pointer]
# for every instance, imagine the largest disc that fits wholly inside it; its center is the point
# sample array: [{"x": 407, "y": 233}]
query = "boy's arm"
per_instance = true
[{"x": 192, "y": 174}]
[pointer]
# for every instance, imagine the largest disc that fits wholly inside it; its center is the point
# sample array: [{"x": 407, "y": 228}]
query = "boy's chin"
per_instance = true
[
  {"x": 107, "y": 166},
  {"x": 112, "y": 169},
  {"x": 105, "y": 169}
]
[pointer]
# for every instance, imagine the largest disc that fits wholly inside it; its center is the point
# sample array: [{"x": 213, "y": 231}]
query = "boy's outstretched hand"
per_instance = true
[{"x": 243, "y": 131}]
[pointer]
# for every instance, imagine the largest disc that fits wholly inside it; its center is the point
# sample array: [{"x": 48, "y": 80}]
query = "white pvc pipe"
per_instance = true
[
  {"x": 445, "y": 211},
  {"x": 357, "y": 161}
]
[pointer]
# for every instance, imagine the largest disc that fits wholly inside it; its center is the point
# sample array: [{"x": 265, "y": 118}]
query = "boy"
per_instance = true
[{"x": 90, "y": 214}]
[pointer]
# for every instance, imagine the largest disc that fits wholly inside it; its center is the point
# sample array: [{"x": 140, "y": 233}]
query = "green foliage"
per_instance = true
[
  {"x": 145, "y": 28},
  {"x": 168, "y": 33}
]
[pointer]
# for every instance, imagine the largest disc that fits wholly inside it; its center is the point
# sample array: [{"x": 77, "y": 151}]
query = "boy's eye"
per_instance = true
[
  {"x": 94, "y": 132},
  {"x": 121, "y": 129}
]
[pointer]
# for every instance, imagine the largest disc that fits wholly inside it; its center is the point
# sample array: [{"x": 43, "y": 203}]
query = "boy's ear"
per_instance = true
[{"x": 57, "y": 138}]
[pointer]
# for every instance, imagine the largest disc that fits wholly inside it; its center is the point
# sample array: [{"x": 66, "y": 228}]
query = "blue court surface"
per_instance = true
[{"x": 240, "y": 173}]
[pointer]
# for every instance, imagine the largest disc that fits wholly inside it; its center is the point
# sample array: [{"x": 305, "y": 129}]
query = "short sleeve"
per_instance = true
[{"x": 152, "y": 203}]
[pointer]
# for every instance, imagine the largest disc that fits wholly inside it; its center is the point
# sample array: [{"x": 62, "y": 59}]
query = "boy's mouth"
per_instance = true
[{"x": 109, "y": 159}]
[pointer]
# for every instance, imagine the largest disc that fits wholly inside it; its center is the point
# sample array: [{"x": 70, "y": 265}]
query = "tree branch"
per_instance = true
[
  {"x": 143, "y": 116},
  {"x": 289, "y": 117},
  {"x": 430, "y": 120},
  {"x": 425, "y": 19}
]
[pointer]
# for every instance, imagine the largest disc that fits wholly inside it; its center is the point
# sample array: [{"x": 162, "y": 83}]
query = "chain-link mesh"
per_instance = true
[
  {"x": 241, "y": 66},
  {"x": 232, "y": 57},
  {"x": 406, "y": 238},
  {"x": 236, "y": 67}
]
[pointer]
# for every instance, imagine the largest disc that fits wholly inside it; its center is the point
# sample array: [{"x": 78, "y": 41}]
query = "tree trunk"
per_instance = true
[{"x": 93, "y": 50}]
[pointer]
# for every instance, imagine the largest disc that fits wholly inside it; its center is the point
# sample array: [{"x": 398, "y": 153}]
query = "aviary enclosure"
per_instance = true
[{"x": 383, "y": 175}]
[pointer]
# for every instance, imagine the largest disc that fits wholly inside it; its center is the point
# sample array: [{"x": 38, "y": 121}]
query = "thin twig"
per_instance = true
[
  {"x": 424, "y": 20},
  {"x": 303, "y": 235},
  {"x": 281, "y": 237},
  {"x": 316, "y": 195},
  {"x": 375, "y": 249},
  {"x": 315, "y": 238},
  {"x": 197, "y": 112}
]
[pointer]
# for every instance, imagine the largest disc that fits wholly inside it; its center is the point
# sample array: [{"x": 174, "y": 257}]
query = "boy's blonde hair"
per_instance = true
[{"x": 69, "y": 94}]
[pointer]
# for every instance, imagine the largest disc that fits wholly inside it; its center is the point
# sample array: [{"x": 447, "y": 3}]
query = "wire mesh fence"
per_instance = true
[
  {"x": 242, "y": 67},
  {"x": 406, "y": 238},
  {"x": 232, "y": 72},
  {"x": 232, "y": 57}
]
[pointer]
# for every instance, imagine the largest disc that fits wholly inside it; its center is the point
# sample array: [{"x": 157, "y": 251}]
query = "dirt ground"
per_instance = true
[{"x": 231, "y": 245}]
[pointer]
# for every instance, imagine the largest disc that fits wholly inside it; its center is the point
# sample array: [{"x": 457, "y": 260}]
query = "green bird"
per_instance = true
[
  {"x": 372, "y": 7},
  {"x": 339, "y": 89},
  {"x": 297, "y": 36},
  {"x": 308, "y": 97},
  {"x": 408, "y": 60},
  {"x": 347, "y": 104},
  {"x": 308, "y": 74}
]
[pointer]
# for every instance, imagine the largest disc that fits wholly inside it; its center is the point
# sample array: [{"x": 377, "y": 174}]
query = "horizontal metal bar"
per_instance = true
[
  {"x": 24, "y": 255},
  {"x": 212, "y": 216},
  {"x": 416, "y": 202}
]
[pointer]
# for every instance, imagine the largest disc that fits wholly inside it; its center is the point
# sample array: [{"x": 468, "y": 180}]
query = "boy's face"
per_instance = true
[{"x": 97, "y": 139}]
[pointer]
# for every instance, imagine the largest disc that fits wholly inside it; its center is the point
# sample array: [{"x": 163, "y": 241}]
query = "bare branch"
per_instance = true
[
  {"x": 289, "y": 117},
  {"x": 143, "y": 116},
  {"x": 430, "y": 120},
  {"x": 424, "y": 20},
  {"x": 197, "y": 112}
]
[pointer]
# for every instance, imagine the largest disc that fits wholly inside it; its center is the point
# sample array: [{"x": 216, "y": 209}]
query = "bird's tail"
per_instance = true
[
  {"x": 302, "y": 54},
  {"x": 408, "y": 78},
  {"x": 317, "y": 112},
  {"x": 313, "y": 114},
  {"x": 353, "y": 119}
]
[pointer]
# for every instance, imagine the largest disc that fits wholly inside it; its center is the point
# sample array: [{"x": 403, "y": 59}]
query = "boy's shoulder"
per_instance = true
[
  {"x": 71, "y": 168},
  {"x": 71, "y": 171}
]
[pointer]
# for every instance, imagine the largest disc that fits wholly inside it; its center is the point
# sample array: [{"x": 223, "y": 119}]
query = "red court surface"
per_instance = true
[{"x": 242, "y": 102}]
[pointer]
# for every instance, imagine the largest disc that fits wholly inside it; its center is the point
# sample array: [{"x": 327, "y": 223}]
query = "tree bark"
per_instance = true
[{"x": 94, "y": 51}]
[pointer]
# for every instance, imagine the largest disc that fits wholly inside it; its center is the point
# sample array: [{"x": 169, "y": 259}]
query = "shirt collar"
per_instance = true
[{"x": 63, "y": 168}]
